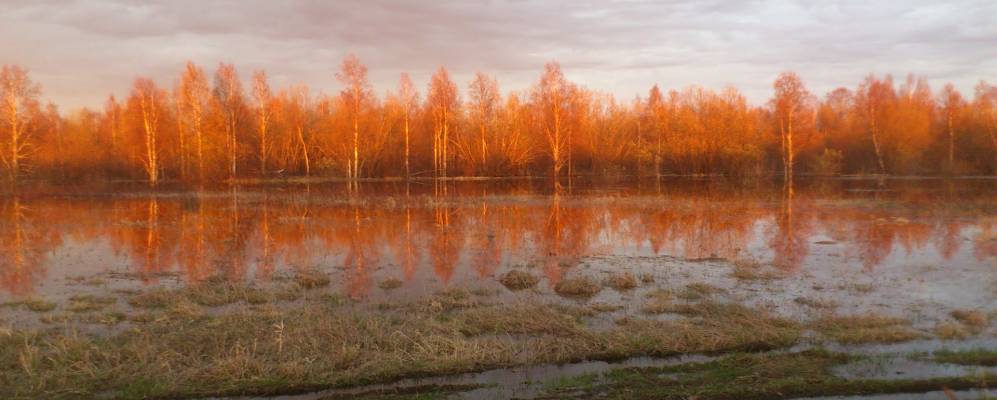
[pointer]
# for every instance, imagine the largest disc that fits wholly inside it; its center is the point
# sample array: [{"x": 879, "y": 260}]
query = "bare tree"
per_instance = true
[
  {"x": 19, "y": 94},
  {"x": 294, "y": 103},
  {"x": 874, "y": 98},
  {"x": 228, "y": 95},
  {"x": 264, "y": 112},
  {"x": 443, "y": 102},
  {"x": 353, "y": 75},
  {"x": 408, "y": 98},
  {"x": 791, "y": 98},
  {"x": 194, "y": 89},
  {"x": 951, "y": 105},
  {"x": 552, "y": 98},
  {"x": 148, "y": 99},
  {"x": 484, "y": 95},
  {"x": 986, "y": 105}
]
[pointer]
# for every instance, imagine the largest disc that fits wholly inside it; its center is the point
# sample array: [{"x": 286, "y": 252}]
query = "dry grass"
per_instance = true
[
  {"x": 88, "y": 303},
  {"x": 948, "y": 331},
  {"x": 582, "y": 287},
  {"x": 272, "y": 350},
  {"x": 698, "y": 291},
  {"x": 32, "y": 304},
  {"x": 311, "y": 279},
  {"x": 855, "y": 329},
  {"x": 604, "y": 307},
  {"x": 752, "y": 270},
  {"x": 518, "y": 280},
  {"x": 389, "y": 284},
  {"x": 974, "y": 320},
  {"x": 622, "y": 281},
  {"x": 659, "y": 301},
  {"x": 814, "y": 303},
  {"x": 447, "y": 300},
  {"x": 213, "y": 294}
]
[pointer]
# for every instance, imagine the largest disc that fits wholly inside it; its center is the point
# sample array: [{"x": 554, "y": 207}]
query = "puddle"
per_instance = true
[
  {"x": 937, "y": 395},
  {"x": 889, "y": 367},
  {"x": 520, "y": 382}
]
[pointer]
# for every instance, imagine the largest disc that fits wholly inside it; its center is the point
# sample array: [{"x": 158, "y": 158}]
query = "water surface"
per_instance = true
[{"x": 430, "y": 236}]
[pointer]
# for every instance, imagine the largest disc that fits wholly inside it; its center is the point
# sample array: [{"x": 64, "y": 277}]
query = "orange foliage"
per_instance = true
[{"x": 202, "y": 132}]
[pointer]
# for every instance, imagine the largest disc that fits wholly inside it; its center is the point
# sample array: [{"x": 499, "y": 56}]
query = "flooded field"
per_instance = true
[{"x": 497, "y": 289}]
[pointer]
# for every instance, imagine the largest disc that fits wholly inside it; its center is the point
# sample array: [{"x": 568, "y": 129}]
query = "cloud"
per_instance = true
[{"x": 82, "y": 50}]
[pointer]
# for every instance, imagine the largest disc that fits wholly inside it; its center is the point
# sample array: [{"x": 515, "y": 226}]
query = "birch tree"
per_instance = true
[
  {"x": 19, "y": 95},
  {"x": 484, "y": 96},
  {"x": 408, "y": 99},
  {"x": 228, "y": 98},
  {"x": 551, "y": 97},
  {"x": 264, "y": 112},
  {"x": 194, "y": 89},
  {"x": 791, "y": 99},
  {"x": 443, "y": 103},
  {"x": 146, "y": 101},
  {"x": 355, "y": 95}
]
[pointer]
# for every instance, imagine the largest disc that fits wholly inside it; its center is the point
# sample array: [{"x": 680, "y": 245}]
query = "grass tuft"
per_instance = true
[
  {"x": 752, "y": 270},
  {"x": 659, "y": 301},
  {"x": 518, "y": 280},
  {"x": 698, "y": 291},
  {"x": 581, "y": 287},
  {"x": 311, "y": 279},
  {"x": 949, "y": 331},
  {"x": 854, "y": 329},
  {"x": 622, "y": 281},
  {"x": 32, "y": 304},
  {"x": 974, "y": 320},
  {"x": 88, "y": 303},
  {"x": 389, "y": 284}
]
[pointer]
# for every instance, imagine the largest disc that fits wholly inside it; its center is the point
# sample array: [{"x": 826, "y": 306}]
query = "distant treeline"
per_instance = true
[{"x": 220, "y": 129}]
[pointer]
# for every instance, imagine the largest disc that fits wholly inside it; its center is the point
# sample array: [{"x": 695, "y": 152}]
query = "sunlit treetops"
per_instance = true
[{"x": 215, "y": 128}]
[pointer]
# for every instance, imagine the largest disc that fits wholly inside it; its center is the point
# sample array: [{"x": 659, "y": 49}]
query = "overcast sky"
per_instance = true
[{"x": 80, "y": 51}]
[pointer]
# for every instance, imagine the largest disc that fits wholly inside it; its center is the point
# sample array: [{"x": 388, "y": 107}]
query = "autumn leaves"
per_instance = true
[{"x": 203, "y": 130}]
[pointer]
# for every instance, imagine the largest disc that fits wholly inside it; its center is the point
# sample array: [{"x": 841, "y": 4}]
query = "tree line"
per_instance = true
[{"x": 202, "y": 129}]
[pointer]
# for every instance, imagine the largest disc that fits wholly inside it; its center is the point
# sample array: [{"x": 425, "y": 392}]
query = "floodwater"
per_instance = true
[
  {"x": 465, "y": 233},
  {"x": 916, "y": 249}
]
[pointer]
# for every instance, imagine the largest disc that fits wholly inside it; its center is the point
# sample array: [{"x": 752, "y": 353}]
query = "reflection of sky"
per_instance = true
[{"x": 81, "y": 50}]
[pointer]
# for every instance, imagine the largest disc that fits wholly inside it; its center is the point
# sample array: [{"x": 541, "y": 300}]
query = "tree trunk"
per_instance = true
[
  {"x": 200, "y": 142},
  {"x": 263, "y": 145},
  {"x": 356, "y": 145},
  {"x": 304, "y": 151},
  {"x": 446, "y": 141},
  {"x": 232, "y": 144},
  {"x": 951, "y": 144},
  {"x": 483, "y": 150},
  {"x": 874, "y": 130},
  {"x": 407, "y": 174},
  {"x": 789, "y": 146}
]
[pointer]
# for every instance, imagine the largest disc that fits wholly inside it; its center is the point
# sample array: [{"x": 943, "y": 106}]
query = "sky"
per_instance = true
[{"x": 82, "y": 51}]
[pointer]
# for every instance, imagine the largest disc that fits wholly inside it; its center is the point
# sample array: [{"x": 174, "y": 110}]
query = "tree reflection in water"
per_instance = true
[{"x": 476, "y": 229}]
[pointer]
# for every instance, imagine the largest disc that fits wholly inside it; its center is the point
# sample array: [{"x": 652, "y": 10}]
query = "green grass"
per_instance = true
[
  {"x": 983, "y": 357},
  {"x": 748, "y": 376}
]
